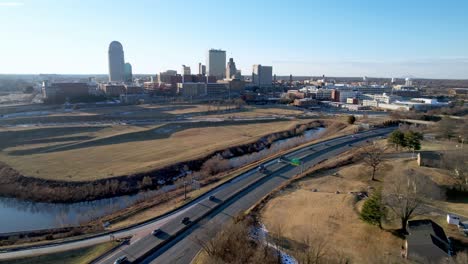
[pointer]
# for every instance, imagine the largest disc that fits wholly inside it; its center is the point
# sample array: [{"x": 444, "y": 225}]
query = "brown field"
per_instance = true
[
  {"x": 93, "y": 152},
  {"x": 300, "y": 212},
  {"x": 77, "y": 256},
  {"x": 324, "y": 214}
]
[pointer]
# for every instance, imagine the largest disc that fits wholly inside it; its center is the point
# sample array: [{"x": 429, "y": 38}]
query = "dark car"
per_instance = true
[
  {"x": 212, "y": 198},
  {"x": 121, "y": 260},
  {"x": 156, "y": 231},
  {"x": 261, "y": 168},
  {"x": 186, "y": 220},
  {"x": 281, "y": 159}
]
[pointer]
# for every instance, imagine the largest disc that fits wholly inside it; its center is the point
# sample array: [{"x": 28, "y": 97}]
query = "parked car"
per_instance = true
[{"x": 121, "y": 260}]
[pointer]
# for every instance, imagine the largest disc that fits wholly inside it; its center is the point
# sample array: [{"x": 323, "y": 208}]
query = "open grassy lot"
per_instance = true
[
  {"x": 77, "y": 256},
  {"x": 261, "y": 111},
  {"x": 93, "y": 152},
  {"x": 168, "y": 111},
  {"x": 300, "y": 212}
]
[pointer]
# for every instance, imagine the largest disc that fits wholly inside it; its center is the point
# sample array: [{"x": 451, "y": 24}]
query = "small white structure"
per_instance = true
[{"x": 453, "y": 219}]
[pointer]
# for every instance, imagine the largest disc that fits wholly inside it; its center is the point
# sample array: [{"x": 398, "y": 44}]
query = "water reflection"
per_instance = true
[{"x": 19, "y": 215}]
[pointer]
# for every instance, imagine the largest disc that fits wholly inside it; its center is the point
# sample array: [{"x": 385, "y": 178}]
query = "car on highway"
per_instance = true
[
  {"x": 186, "y": 220},
  {"x": 156, "y": 232},
  {"x": 261, "y": 168},
  {"x": 212, "y": 198},
  {"x": 281, "y": 159},
  {"x": 121, "y": 260}
]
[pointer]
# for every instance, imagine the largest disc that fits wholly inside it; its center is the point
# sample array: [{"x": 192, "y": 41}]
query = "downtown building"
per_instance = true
[
  {"x": 116, "y": 62},
  {"x": 216, "y": 63},
  {"x": 262, "y": 76},
  {"x": 231, "y": 70},
  {"x": 60, "y": 92}
]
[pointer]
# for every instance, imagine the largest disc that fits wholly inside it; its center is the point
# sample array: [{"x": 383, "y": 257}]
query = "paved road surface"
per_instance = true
[{"x": 185, "y": 246}]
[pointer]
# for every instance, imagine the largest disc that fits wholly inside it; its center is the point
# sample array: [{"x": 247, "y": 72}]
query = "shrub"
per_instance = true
[{"x": 372, "y": 211}]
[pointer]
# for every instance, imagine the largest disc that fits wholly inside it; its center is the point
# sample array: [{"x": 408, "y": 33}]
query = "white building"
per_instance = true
[
  {"x": 408, "y": 82},
  {"x": 216, "y": 63},
  {"x": 116, "y": 62},
  {"x": 262, "y": 76}
]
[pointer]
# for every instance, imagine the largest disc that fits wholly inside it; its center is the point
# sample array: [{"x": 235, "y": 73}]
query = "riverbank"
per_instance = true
[{"x": 14, "y": 184}]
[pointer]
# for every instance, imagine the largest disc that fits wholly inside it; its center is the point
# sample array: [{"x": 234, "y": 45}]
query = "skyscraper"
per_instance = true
[
  {"x": 231, "y": 69},
  {"x": 116, "y": 62},
  {"x": 201, "y": 69},
  {"x": 216, "y": 63},
  {"x": 185, "y": 70},
  {"x": 128, "y": 72},
  {"x": 262, "y": 75}
]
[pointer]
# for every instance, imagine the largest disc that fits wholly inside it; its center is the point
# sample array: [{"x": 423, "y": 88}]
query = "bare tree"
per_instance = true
[
  {"x": 405, "y": 194},
  {"x": 373, "y": 157},
  {"x": 234, "y": 245},
  {"x": 456, "y": 162},
  {"x": 315, "y": 250},
  {"x": 278, "y": 239}
]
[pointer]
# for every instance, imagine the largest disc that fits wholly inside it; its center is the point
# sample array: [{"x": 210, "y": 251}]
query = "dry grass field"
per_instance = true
[
  {"x": 77, "y": 256},
  {"x": 299, "y": 211},
  {"x": 93, "y": 152}
]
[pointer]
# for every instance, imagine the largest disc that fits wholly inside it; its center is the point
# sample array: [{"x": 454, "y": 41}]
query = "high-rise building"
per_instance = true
[
  {"x": 231, "y": 69},
  {"x": 128, "y": 72},
  {"x": 262, "y": 75},
  {"x": 216, "y": 63},
  {"x": 185, "y": 70},
  {"x": 116, "y": 62},
  {"x": 201, "y": 69}
]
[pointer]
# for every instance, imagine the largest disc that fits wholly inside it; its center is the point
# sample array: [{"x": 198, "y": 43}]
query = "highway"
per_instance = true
[{"x": 175, "y": 243}]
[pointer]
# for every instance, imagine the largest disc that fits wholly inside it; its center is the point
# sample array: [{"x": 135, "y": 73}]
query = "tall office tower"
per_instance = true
[
  {"x": 128, "y": 72},
  {"x": 216, "y": 63},
  {"x": 201, "y": 69},
  {"x": 231, "y": 69},
  {"x": 185, "y": 70},
  {"x": 262, "y": 75},
  {"x": 116, "y": 62}
]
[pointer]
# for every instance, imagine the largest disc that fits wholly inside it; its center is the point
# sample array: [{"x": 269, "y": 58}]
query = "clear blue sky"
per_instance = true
[{"x": 388, "y": 38}]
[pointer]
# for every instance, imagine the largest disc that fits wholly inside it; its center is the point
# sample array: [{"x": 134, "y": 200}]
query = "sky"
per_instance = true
[{"x": 385, "y": 38}]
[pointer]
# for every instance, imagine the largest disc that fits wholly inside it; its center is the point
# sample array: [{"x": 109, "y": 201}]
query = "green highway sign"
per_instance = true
[{"x": 296, "y": 162}]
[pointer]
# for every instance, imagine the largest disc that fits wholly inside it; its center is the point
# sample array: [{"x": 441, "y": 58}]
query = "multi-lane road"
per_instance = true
[{"x": 177, "y": 242}]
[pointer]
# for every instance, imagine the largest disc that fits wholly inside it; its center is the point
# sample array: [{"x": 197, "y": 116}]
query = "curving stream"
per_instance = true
[{"x": 18, "y": 215}]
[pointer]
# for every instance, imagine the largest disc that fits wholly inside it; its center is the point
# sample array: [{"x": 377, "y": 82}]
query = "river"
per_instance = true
[{"x": 18, "y": 215}]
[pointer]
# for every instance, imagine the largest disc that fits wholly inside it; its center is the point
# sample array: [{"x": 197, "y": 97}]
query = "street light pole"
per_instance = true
[{"x": 185, "y": 189}]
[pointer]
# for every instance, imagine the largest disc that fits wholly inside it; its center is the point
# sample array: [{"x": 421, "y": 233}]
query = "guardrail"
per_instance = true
[
  {"x": 175, "y": 210},
  {"x": 229, "y": 199}
]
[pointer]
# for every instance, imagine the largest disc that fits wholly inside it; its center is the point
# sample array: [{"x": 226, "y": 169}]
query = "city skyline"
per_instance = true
[{"x": 397, "y": 39}]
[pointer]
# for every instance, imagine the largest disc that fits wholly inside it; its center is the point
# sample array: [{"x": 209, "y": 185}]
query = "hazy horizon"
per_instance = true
[{"x": 303, "y": 38}]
